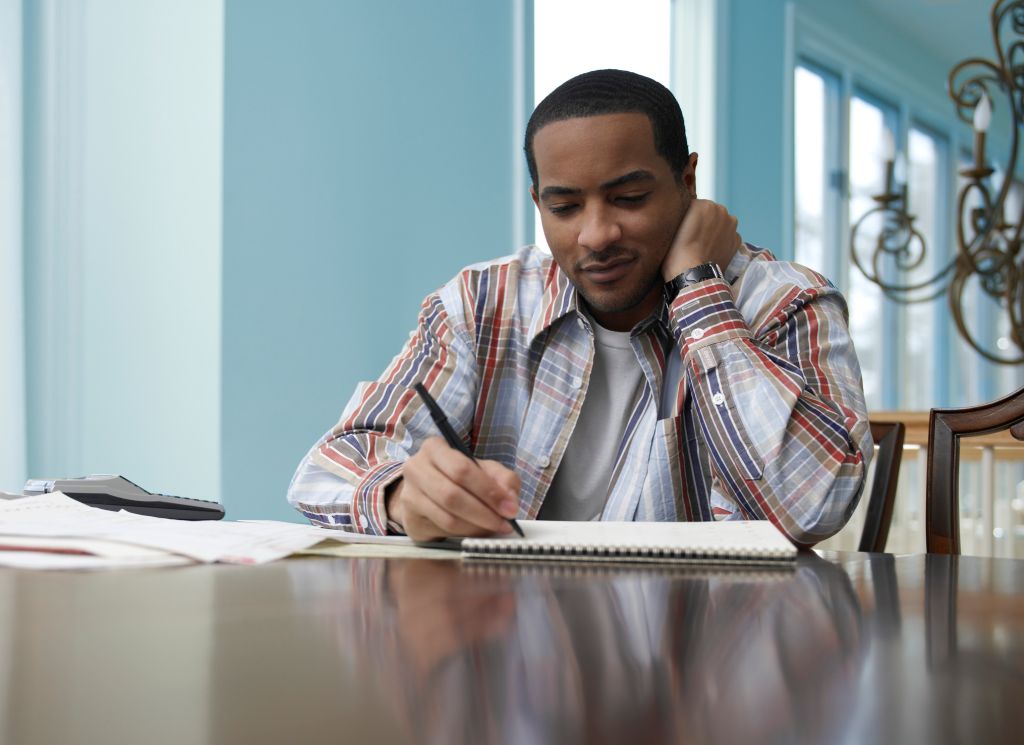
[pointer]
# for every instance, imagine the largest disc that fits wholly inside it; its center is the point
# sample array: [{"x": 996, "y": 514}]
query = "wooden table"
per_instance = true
[{"x": 859, "y": 648}]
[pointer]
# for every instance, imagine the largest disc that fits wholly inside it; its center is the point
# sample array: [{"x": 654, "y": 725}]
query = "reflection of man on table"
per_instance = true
[
  {"x": 654, "y": 367},
  {"x": 584, "y": 655}
]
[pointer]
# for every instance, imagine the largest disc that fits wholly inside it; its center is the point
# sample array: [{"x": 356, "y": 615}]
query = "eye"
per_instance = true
[
  {"x": 561, "y": 209},
  {"x": 631, "y": 199}
]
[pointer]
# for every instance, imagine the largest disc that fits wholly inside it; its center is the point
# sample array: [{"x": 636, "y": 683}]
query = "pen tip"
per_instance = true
[{"x": 516, "y": 528}]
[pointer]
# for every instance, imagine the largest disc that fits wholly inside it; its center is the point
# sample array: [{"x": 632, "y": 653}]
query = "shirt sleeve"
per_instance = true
[
  {"x": 341, "y": 481},
  {"x": 780, "y": 405}
]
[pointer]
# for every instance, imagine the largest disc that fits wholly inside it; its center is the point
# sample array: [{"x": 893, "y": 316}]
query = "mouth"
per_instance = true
[{"x": 609, "y": 271}]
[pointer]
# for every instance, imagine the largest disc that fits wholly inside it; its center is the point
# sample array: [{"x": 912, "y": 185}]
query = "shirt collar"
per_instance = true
[{"x": 559, "y": 298}]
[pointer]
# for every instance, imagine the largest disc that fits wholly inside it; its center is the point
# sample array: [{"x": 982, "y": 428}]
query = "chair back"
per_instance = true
[
  {"x": 888, "y": 437},
  {"x": 945, "y": 428}
]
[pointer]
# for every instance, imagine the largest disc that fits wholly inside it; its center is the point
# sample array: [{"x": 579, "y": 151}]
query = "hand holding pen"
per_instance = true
[
  {"x": 444, "y": 491},
  {"x": 451, "y": 437}
]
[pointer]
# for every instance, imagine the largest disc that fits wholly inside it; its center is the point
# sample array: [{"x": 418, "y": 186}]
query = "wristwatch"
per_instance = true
[{"x": 692, "y": 276}]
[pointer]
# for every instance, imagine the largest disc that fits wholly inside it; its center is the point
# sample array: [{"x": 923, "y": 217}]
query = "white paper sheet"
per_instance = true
[
  {"x": 44, "y": 556},
  {"x": 57, "y": 516}
]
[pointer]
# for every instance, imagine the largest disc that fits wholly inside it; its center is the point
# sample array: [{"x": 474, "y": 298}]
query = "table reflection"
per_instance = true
[
  {"x": 944, "y": 658},
  {"x": 528, "y": 653},
  {"x": 859, "y": 649}
]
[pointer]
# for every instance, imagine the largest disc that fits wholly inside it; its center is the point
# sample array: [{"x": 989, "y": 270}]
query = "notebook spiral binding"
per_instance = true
[{"x": 496, "y": 549}]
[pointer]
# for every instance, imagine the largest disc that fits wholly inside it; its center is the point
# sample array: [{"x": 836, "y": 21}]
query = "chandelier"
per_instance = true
[{"x": 988, "y": 248}]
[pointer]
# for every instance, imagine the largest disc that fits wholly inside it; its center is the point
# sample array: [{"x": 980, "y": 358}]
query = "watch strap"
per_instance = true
[{"x": 693, "y": 275}]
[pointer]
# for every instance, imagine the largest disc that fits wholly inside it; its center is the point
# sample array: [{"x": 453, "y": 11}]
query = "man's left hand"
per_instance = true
[{"x": 707, "y": 233}]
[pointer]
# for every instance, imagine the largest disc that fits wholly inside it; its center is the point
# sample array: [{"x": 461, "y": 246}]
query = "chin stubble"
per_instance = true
[{"x": 629, "y": 302}]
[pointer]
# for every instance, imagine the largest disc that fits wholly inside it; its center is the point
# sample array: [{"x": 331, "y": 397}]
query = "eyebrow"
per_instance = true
[{"x": 629, "y": 178}]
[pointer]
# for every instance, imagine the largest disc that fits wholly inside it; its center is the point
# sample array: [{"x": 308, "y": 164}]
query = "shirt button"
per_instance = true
[
  {"x": 718, "y": 399},
  {"x": 577, "y": 383},
  {"x": 697, "y": 333},
  {"x": 544, "y": 461},
  {"x": 364, "y": 522}
]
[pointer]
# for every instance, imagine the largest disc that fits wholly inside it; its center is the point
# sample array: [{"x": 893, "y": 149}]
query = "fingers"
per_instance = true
[
  {"x": 510, "y": 483},
  {"x": 447, "y": 494},
  {"x": 707, "y": 233},
  {"x": 708, "y": 223},
  {"x": 427, "y": 522}
]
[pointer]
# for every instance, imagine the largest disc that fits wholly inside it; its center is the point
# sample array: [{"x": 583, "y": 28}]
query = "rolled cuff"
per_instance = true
[
  {"x": 368, "y": 511},
  {"x": 704, "y": 314}
]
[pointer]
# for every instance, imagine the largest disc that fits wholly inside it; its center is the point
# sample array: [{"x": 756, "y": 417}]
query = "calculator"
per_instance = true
[{"x": 109, "y": 492}]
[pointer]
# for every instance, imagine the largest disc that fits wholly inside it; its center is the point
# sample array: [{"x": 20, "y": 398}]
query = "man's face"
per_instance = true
[{"x": 610, "y": 207}]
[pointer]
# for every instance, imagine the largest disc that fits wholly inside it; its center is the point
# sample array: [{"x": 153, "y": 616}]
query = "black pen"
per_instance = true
[{"x": 451, "y": 438}]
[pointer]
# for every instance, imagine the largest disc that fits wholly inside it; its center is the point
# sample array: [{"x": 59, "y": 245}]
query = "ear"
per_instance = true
[
  {"x": 533, "y": 196},
  {"x": 690, "y": 176}
]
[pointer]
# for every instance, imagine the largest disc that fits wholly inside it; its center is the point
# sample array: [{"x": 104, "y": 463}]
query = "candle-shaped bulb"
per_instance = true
[
  {"x": 888, "y": 146},
  {"x": 982, "y": 114},
  {"x": 899, "y": 172}
]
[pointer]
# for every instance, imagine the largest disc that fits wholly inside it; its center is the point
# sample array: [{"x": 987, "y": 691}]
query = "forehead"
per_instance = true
[{"x": 577, "y": 152}]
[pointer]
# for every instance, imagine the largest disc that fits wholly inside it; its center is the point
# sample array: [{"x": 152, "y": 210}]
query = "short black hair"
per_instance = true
[{"x": 614, "y": 92}]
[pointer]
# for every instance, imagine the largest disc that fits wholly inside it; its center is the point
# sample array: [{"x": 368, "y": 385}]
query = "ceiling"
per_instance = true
[{"x": 952, "y": 30}]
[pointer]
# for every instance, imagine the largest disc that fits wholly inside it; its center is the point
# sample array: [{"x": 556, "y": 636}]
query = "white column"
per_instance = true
[
  {"x": 12, "y": 321},
  {"x": 698, "y": 75}
]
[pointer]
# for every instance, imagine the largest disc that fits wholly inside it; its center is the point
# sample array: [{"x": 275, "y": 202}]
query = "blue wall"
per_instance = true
[
  {"x": 754, "y": 129},
  {"x": 369, "y": 154}
]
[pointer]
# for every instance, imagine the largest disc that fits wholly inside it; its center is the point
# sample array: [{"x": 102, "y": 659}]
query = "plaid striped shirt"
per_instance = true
[{"x": 753, "y": 406}]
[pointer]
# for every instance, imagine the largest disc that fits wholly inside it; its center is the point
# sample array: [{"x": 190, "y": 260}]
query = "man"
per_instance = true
[{"x": 654, "y": 367}]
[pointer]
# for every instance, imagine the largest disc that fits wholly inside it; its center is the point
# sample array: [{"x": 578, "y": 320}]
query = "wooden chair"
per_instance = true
[
  {"x": 945, "y": 428},
  {"x": 888, "y": 436}
]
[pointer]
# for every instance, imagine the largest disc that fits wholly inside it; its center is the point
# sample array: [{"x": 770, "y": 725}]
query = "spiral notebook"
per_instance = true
[{"x": 733, "y": 541}]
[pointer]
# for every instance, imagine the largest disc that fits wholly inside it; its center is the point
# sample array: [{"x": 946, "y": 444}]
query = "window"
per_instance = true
[
  {"x": 873, "y": 125},
  {"x": 818, "y": 192},
  {"x": 926, "y": 328}
]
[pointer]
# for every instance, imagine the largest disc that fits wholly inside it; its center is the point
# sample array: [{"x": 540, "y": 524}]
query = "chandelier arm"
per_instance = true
[
  {"x": 894, "y": 290},
  {"x": 1011, "y": 84},
  {"x": 998, "y": 210},
  {"x": 969, "y": 249},
  {"x": 995, "y": 222},
  {"x": 896, "y": 287},
  {"x": 956, "y": 289},
  {"x": 967, "y": 94},
  {"x": 896, "y": 298},
  {"x": 1002, "y": 9},
  {"x": 853, "y": 242},
  {"x": 1015, "y": 305},
  {"x": 888, "y": 287}
]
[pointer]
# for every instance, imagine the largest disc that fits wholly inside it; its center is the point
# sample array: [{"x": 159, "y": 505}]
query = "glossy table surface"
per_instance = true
[{"x": 853, "y": 648}]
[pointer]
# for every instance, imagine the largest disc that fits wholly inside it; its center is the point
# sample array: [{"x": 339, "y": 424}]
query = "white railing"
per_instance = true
[{"x": 991, "y": 495}]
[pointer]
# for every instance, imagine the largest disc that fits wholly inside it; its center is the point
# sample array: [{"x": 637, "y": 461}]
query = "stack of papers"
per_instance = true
[{"x": 53, "y": 531}]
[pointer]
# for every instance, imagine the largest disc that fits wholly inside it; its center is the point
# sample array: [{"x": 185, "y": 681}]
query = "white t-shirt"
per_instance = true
[{"x": 580, "y": 486}]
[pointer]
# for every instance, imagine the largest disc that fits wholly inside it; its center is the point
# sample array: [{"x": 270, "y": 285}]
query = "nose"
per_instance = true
[{"x": 598, "y": 230}]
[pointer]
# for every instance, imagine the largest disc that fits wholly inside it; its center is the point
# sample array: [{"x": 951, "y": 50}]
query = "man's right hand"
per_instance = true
[{"x": 443, "y": 493}]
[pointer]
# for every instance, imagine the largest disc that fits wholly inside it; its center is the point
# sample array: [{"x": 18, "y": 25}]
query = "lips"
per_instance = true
[{"x": 608, "y": 272}]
